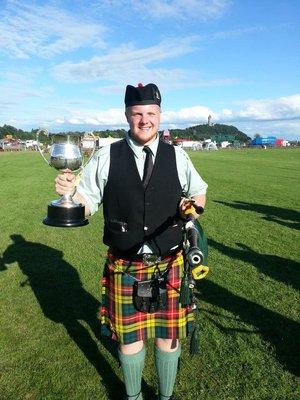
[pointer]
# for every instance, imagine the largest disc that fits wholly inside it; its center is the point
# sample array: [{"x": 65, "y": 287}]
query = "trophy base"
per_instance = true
[{"x": 65, "y": 217}]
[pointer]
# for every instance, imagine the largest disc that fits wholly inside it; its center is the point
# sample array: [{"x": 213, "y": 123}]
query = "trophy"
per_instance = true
[{"x": 65, "y": 153}]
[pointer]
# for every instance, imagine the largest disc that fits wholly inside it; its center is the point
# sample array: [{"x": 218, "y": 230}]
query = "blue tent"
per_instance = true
[{"x": 264, "y": 141}]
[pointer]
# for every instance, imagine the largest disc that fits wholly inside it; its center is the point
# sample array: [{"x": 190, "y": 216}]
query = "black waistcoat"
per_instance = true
[{"x": 134, "y": 215}]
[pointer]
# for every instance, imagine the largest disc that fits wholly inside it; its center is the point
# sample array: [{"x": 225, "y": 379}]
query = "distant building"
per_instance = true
[{"x": 209, "y": 121}]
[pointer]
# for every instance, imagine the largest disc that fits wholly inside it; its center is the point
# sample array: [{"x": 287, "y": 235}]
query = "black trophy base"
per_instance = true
[{"x": 65, "y": 217}]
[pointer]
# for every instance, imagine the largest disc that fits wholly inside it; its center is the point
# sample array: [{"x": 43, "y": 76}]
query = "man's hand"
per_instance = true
[
  {"x": 65, "y": 183},
  {"x": 186, "y": 205}
]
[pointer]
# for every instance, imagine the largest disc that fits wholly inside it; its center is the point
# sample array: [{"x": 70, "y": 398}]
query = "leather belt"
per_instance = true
[{"x": 148, "y": 258}]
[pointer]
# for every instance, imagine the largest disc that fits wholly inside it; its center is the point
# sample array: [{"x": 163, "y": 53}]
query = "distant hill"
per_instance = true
[
  {"x": 217, "y": 131},
  {"x": 198, "y": 132}
]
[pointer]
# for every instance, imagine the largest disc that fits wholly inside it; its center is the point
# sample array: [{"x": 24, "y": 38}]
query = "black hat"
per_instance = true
[{"x": 142, "y": 95}]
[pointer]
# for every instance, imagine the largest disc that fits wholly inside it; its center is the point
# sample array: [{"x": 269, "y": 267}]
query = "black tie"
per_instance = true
[{"x": 148, "y": 166}]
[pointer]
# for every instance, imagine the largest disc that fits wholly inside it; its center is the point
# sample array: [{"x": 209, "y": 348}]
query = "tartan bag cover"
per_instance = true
[{"x": 119, "y": 318}]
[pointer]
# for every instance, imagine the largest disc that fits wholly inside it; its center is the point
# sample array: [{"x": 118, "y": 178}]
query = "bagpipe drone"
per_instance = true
[{"x": 195, "y": 252}]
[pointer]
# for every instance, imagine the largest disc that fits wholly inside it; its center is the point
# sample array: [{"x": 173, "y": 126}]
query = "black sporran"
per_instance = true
[{"x": 151, "y": 295}]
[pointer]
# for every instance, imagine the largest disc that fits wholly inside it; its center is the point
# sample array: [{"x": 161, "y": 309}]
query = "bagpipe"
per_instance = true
[{"x": 195, "y": 251}]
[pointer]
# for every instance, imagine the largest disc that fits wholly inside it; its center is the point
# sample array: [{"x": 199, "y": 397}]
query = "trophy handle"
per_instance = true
[
  {"x": 38, "y": 143},
  {"x": 90, "y": 157}
]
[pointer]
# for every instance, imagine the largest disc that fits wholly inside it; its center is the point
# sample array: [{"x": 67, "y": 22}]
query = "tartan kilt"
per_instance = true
[{"x": 119, "y": 318}]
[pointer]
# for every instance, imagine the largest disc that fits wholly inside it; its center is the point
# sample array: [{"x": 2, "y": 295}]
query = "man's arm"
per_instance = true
[
  {"x": 191, "y": 183},
  {"x": 200, "y": 200}
]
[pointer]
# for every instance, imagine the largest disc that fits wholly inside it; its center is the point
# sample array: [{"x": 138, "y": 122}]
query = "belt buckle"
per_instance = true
[{"x": 150, "y": 259}]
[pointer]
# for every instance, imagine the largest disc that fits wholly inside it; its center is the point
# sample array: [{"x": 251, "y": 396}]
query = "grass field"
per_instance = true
[{"x": 248, "y": 306}]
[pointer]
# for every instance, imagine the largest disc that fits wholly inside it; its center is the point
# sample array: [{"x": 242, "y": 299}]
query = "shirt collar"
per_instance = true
[{"x": 137, "y": 148}]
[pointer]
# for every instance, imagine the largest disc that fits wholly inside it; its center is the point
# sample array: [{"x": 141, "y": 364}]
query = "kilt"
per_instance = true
[{"x": 119, "y": 318}]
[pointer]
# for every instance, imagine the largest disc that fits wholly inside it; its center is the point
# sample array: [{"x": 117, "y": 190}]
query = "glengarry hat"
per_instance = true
[{"x": 142, "y": 95}]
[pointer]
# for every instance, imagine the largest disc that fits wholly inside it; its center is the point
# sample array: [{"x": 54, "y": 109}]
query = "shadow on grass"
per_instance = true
[
  {"x": 281, "y": 332},
  {"x": 58, "y": 289},
  {"x": 278, "y": 268},
  {"x": 283, "y": 216}
]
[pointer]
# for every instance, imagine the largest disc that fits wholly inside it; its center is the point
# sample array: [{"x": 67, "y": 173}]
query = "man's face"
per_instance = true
[{"x": 144, "y": 122}]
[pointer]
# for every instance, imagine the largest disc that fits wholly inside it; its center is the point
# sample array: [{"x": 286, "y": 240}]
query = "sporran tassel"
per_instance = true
[
  {"x": 185, "y": 296},
  {"x": 195, "y": 342}
]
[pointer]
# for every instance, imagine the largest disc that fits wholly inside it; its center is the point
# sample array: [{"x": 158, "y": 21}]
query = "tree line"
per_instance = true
[{"x": 197, "y": 132}]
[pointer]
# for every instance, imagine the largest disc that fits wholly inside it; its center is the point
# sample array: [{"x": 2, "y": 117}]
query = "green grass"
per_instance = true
[{"x": 248, "y": 306}]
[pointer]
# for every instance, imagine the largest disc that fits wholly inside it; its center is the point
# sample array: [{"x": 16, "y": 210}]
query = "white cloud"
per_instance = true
[
  {"x": 116, "y": 116},
  {"x": 200, "y": 10},
  {"x": 129, "y": 64},
  {"x": 281, "y": 129},
  {"x": 124, "y": 60},
  {"x": 96, "y": 118},
  {"x": 28, "y": 29},
  {"x": 285, "y": 108},
  {"x": 234, "y": 33},
  {"x": 283, "y": 117},
  {"x": 192, "y": 115}
]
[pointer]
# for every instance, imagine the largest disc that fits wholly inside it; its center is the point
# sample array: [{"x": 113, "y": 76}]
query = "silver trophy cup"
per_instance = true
[{"x": 65, "y": 153}]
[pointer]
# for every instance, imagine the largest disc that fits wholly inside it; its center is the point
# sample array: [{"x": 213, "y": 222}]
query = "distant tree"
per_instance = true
[
  {"x": 201, "y": 132},
  {"x": 197, "y": 132}
]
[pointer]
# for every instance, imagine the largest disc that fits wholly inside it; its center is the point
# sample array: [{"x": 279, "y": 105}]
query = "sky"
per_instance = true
[{"x": 64, "y": 65}]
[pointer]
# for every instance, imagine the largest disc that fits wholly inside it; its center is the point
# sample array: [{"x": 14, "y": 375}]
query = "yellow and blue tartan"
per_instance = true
[{"x": 119, "y": 318}]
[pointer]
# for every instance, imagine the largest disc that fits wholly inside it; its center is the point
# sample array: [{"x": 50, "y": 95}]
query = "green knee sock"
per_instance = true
[
  {"x": 166, "y": 365},
  {"x": 132, "y": 367}
]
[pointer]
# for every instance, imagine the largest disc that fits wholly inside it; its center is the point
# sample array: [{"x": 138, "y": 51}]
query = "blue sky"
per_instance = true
[{"x": 65, "y": 64}]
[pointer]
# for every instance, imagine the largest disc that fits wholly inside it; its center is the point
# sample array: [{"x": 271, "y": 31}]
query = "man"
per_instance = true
[{"x": 142, "y": 182}]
